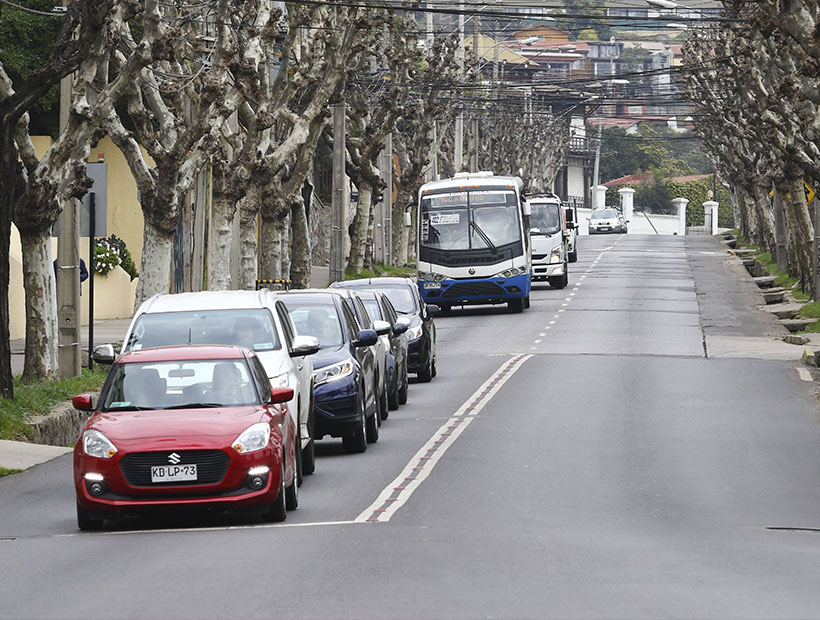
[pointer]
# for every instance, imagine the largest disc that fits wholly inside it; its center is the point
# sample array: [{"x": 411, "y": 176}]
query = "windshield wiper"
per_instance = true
[
  {"x": 129, "y": 408},
  {"x": 195, "y": 406},
  {"x": 484, "y": 237}
]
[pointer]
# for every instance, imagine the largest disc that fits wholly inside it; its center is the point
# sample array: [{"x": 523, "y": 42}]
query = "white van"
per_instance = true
[
  {"x": 549, "y": 233},
  {"x": 257, "y": 320}
]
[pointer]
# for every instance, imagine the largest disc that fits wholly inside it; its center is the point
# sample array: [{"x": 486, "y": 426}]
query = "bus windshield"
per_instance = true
[{"x": 469, "y": 220}]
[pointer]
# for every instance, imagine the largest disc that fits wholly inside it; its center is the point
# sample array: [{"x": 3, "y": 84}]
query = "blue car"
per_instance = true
[{"x": 344, "y": 369}]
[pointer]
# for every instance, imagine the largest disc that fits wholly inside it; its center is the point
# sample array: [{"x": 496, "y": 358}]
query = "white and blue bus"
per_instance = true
[{"x": 473, "y": 242}]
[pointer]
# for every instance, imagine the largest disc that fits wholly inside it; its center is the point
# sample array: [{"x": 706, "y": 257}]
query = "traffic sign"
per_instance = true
[{"x": 808, "y": 190}]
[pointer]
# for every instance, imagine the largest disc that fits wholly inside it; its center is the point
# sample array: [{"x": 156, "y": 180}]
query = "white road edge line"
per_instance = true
[
  {"x": 414, "y": 474},
  {"x": 214, "y": 528}
]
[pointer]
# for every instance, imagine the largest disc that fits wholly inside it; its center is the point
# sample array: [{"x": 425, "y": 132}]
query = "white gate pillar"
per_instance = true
[
  {"x": 600, "y": 197},
  {"x": 680, "y": 205},
  {"x": 710, "y": 208},
  {"x": 627, "y": 196}
]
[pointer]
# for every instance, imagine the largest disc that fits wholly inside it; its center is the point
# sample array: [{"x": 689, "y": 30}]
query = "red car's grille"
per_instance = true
[{"x": 211, "y": 466}]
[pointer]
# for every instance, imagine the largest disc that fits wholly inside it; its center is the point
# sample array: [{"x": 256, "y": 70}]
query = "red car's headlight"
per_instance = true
[
  {"x": 98, "y": 445},
  {"x": 253, "y": 438}
]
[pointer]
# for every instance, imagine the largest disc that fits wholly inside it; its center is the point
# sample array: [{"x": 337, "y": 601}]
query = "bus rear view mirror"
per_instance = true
[{"x": 526, "y": 208}]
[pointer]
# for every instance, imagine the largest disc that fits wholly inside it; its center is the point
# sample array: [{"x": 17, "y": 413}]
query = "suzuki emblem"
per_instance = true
[
  {"x": 471, "y": 271},
  {"x": 174, "y": 458}
]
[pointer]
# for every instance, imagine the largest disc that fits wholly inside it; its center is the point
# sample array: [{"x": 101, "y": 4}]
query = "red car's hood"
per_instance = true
[{"x": 176, "y": 423}]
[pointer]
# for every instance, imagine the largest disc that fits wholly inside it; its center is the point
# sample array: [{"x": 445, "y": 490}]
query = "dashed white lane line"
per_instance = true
[
  {"x": 538, "y": 341},
  {"x": 804, "y": 373},
  {"x": 396, "y": 494}
]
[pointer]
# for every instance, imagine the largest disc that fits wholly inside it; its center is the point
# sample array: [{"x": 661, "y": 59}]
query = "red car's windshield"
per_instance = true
[{"x": 180, "y": 384}]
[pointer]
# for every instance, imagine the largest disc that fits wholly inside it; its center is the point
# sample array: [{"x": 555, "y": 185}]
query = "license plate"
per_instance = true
[
  {"x": 432, "y": 285},
  {"x": 173, "y": 473}
]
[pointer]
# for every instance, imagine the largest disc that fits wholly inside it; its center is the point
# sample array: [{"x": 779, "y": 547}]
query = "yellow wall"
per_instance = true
[
  {"x": 17, "y": 300},
  {"x": 114, "y": 294},
  {"x": 124, "y": 212}
]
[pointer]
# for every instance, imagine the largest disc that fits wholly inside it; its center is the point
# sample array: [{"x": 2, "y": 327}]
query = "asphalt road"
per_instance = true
[{"x": 605, "y": 454}]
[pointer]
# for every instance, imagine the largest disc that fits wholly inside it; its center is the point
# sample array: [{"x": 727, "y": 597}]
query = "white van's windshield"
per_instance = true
[
  {"x": 252, "y": 328},
  {"x": 545, "y": 218}
]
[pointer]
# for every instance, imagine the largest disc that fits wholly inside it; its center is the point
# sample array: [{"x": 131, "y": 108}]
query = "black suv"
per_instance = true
[{"x": 404, "y": 295}]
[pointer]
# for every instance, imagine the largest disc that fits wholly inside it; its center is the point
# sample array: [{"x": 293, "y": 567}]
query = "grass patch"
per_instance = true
[
  {"x": 811, "y": 310},
  {"x": 41, "y": 396},
  {"x": 5, "y": 471},
  {"x": 381, "y": 270},
  {"x": 814, "y": 328},
  {"x": 769, "y": 264}
]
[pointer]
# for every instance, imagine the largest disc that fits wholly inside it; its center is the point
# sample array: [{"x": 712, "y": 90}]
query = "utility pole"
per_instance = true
[
  {"x": 338, "y": 220},
  {"x": 69, "y": 346},
  {"x": 458, "y": 152},
  {"x": 595, "y": 170},
  {"x": 474, "y": 123}
]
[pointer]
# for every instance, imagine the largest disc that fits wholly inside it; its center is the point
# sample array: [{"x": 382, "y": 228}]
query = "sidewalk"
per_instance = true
[{"x": 111, "y": 331}]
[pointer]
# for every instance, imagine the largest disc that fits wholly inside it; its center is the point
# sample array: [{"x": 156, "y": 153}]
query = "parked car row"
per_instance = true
[{"x": 217, "y": 398}]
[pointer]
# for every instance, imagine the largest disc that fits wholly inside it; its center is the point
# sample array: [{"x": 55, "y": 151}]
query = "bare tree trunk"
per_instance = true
[
  {"x": 6, "y": 202},
  {"x": 283, "y": 229},
  {"x": 743, "y": 212},
  {"x": 41, "y": 322},
  {"x": 763, "y": 234},
  {"x": 155, "y": 267},
  {"x": 361, "y": 224},
  {"x": 399, "y": 231},
  {"x": 268, "y": 254},
  {"x": 300, "y": 243},
  {"x": 220, "y": 232},
  {"x": 411, "y": 233},
  {"x": 802, "y": 233},
  {"x": 248, "y": 260}
]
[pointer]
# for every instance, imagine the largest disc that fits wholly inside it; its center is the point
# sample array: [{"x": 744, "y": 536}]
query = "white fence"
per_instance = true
[{"x": 640, "y": 224}]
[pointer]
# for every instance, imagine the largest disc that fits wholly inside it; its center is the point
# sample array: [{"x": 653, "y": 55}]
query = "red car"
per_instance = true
[{"x": 186, "y": 427}]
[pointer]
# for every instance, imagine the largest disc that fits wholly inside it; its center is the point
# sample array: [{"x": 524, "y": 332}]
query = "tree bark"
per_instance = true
[
  {"x": 220, "y": 232},
  {"x": 268, "y": 254},
  {"x": 248, "y": 259},
  {"x": 157, "y": 259},
  {"x": 7, "y": 176},
  {"x": 300, "y": 244},
  {"x": 361, "y": 224},
  {"x": 41, "y": 321},
  {"x": 763, "y": 234},
  {"x": 802, "y": 233}
]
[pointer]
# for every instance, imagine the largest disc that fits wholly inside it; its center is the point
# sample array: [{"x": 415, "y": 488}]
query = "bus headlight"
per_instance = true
[
  {"x": 509, "y": 273},
  {"x": 435, "y": 277}
]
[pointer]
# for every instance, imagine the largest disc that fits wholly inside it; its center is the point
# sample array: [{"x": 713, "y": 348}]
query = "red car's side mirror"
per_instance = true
[
  {"x": 281, "y": 394},
  {"x": 82, "y": 402}
]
